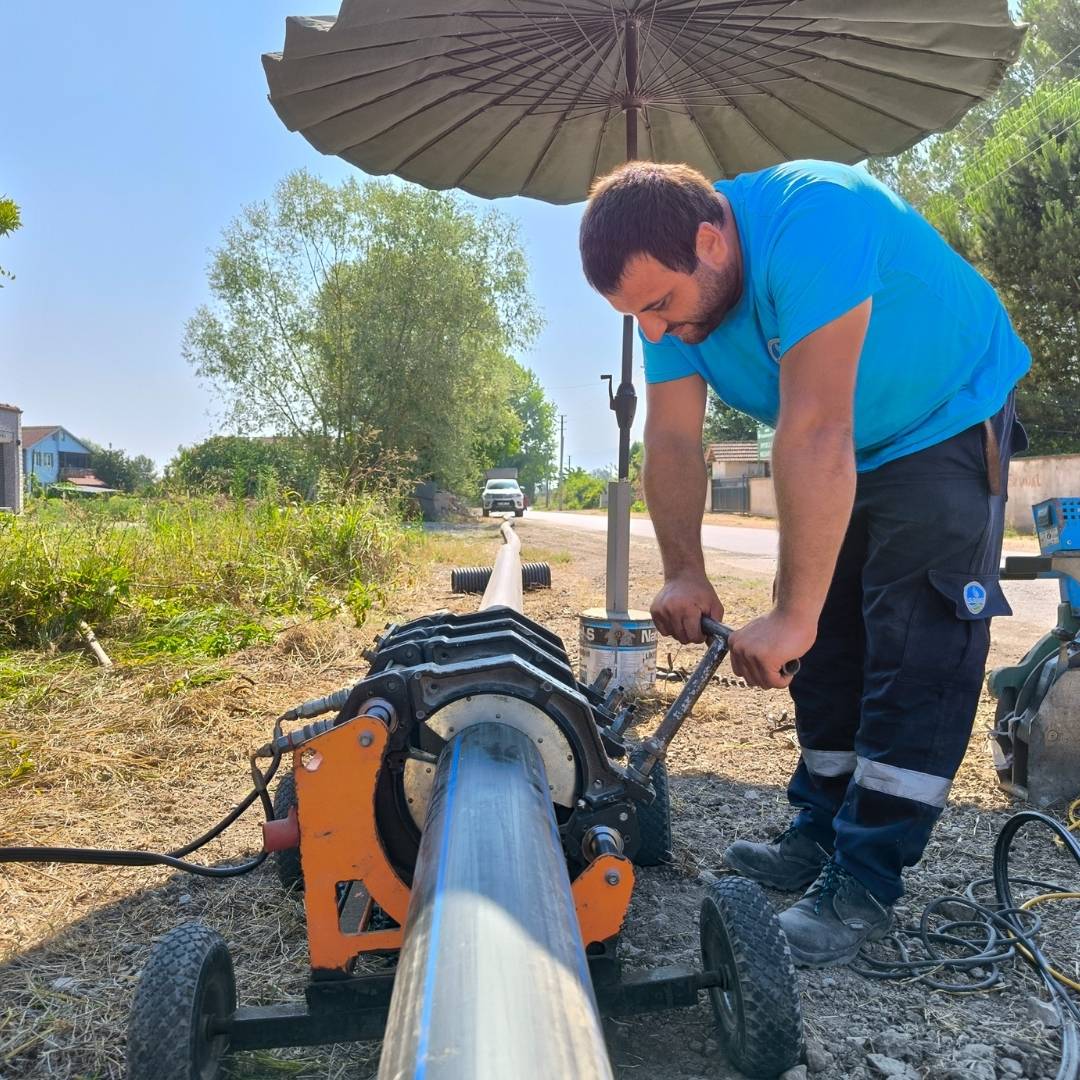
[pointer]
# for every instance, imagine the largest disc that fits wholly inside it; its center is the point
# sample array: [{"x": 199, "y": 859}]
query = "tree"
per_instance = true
[
  {"x": 371, "y": 320},
  {"x": 582, "y": 490},
  {"x": 9, "y": 222},
  {"x": 725, "y": 424},
  {"x": 1020, "y": 221},
  {"x": 1002, "y": 187},
  {"x": 244, "y": 467},
  {"x": 118, "y": 470},
  {"x": 526, "y": 439}
]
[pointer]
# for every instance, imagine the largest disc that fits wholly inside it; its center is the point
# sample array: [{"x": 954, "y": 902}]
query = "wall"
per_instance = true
[
  {"x": 1033, "y": 479},
  {"x": 762, "y": 497},
  {"x": 10, "y": 470}
]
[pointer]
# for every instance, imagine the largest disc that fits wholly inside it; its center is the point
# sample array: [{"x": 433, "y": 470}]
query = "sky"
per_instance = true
[{"x": 130, "y": 135}]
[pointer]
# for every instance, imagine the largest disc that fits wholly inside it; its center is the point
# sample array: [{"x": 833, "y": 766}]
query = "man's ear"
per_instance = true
[{"x": 711, "y": 246}]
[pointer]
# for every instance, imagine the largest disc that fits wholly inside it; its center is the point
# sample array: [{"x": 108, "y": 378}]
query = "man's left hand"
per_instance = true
[{"x": 761, "y": 648}]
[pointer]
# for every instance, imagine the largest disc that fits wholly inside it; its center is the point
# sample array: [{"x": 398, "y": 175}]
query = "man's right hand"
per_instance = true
[{"x": 679, "y": 606}]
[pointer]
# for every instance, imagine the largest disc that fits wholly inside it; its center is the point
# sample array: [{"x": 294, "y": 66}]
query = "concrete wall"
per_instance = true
[
  {"x": 1033, "y": 479},
  {"x": 10, "y": 458},
  {"x": 762, "y": 497}
]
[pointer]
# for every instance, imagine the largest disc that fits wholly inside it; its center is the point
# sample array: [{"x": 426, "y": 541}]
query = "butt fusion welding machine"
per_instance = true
[
  {"x": 465, "y": 832},
  {"x": 1035, "y": 740}
]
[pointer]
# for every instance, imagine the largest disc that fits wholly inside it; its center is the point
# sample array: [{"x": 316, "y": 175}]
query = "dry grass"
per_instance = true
[{"x": 147, "y": 756}]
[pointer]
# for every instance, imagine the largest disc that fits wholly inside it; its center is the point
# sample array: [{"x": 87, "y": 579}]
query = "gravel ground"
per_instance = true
[{"x": 73, "y": 939}]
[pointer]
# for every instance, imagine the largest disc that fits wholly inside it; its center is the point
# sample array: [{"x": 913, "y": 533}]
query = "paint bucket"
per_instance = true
[{"x": 624, "y": 642}]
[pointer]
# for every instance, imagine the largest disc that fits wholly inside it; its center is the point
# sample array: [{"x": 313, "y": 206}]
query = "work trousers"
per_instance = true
[{"x": 886, "y": 697}]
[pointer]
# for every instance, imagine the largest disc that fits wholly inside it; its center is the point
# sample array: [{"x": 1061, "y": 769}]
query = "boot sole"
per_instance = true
[{"x": 768, "y": 880}]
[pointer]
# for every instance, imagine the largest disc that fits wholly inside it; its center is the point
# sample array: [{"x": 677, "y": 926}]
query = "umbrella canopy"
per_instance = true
[{"x": 538, "y": 97}]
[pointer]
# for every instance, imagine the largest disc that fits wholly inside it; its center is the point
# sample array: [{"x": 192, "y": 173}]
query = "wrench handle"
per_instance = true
[{"x": 716, "y": 629}]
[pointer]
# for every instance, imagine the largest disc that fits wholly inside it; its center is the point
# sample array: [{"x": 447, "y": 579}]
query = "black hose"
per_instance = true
[
  {"x": 174, "y": 858},
  {"x": 987, "y": 936}
]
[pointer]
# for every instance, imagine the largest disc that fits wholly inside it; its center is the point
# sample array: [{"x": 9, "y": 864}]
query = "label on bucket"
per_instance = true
[{"x": 627, "y": 648}]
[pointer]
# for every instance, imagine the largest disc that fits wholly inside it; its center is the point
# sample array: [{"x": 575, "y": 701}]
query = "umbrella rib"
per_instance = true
[
  {"x": 454, "y": 126},
  {"x": 445, "y": 97},
  {"x": 701, "y": 40},
  {"x": 601, "y": 60}
]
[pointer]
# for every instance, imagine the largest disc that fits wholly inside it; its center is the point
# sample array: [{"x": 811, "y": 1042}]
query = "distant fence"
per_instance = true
[{"x": 731, "y": 496}]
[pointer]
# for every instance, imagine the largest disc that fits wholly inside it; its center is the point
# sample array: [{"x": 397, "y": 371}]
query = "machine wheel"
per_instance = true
[
  {"x": 287, "y": 861},
  {"x": 186, "y": 986},
  {"x": 757, "y": 1004},
  {"x": 486, "y": 512},
  {"x": 654, "y": 822},
  {"x": 519, "y": 513}
]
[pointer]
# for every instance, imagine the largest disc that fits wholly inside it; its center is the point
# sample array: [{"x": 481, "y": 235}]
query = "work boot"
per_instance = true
[
  {"x": 833, "y": 921},
  {"x": 788, "y": 862}
]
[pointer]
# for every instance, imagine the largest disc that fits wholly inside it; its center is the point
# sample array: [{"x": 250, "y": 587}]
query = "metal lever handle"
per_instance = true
[{"x": 654, "y": 748}]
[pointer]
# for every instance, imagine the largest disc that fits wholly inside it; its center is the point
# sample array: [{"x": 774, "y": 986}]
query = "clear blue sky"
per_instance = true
[{"x": 132, "y": 133}]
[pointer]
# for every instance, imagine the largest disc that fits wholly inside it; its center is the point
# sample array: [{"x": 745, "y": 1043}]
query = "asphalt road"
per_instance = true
[{"x": 1034, "y": 603}]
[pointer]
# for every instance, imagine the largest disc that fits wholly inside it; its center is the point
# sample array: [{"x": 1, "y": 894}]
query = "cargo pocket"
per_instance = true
[{"x": 949, "y": 632}]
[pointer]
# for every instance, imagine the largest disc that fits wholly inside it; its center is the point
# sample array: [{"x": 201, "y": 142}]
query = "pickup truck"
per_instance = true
[{"x": 502, "y": 495}]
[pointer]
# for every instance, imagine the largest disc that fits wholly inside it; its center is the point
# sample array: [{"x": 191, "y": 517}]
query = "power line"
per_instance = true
[{"x": 1012, "y": 165}]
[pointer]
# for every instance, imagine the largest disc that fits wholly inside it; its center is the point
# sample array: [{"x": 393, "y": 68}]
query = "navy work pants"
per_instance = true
[{"x": 886, "y": 698}]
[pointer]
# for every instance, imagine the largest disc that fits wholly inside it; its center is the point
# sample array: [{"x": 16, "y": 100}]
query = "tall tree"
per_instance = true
[
  {"x": 374, "y": 321},
  {"x": 131, "y": 473},
  {"x": 9, "y": 222},
  {"x": 725, "y": 424}
]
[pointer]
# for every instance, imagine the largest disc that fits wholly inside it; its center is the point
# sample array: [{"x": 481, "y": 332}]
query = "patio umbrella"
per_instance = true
[{"x": 538, "y": 97}]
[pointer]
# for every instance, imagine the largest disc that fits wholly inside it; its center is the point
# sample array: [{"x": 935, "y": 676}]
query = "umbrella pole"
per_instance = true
[{"x": 624, "y": 401}]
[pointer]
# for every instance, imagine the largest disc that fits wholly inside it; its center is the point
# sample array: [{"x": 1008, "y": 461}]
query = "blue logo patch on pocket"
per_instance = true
[{"x": 974, "y": 597}]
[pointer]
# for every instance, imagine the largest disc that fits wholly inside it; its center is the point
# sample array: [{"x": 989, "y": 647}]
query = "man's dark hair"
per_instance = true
[{"x": 645, "y": 208}]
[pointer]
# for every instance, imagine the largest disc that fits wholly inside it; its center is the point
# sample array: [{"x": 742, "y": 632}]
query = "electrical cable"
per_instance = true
[
  {"x": 977, "y": 939},
  {"x": 176, "y": 858}
]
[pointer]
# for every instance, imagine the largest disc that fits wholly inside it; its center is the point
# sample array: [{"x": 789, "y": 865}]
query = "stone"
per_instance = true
[
  {"x": 818, "y": 1059},
  {"x": 1043, "y": 1011},
  {"x": 696, "y": 1046},
  {"x": 751, "y": 794},
  {"x": 712, "y": 1048},
  {"x": 184, "y": 899},
  {"x": 796, "y": 1073},
  {"x": 971, "y": 1069},
  {"x": 1011, "y": 1067},
  {"x": 978, "y": 1051},
  {"x": 65, "y": 984},
  {"x": 883, "y": 1065}
]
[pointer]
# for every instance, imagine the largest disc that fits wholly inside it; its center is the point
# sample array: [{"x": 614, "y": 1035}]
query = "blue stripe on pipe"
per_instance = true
[{"x": 436, "y": 920}]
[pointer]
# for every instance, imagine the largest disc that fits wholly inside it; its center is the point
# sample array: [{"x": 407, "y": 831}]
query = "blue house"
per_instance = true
[{"x": 52, "y": 454}]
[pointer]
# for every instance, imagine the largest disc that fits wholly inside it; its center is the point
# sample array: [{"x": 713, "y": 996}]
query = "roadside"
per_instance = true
[{"x": 155, "y": 763}]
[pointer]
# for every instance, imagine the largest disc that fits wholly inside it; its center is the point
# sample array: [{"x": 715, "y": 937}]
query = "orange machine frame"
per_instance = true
[{"x": 336, "y": 776}]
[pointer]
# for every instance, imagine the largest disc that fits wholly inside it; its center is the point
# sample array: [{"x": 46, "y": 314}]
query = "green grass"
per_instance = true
[{"x": 188, "y": 577}]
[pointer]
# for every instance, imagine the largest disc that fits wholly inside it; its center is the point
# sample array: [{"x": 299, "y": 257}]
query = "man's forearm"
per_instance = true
[
  {"x": 674, "y": 476},
  {"x": 814, "y": 477}
]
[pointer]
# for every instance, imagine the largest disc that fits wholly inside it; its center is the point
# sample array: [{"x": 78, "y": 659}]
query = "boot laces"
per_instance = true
[{"x": 829, "y": 883}]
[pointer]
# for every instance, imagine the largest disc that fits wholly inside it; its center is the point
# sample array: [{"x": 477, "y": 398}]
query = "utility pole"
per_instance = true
[{"x": 562, "y": 440}]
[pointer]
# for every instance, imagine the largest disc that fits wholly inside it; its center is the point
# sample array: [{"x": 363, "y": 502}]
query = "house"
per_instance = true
[
  {"x": 731, "y": 466},
  {"x": 52, "y": 455},
  {"x": 10, "y": 459}
]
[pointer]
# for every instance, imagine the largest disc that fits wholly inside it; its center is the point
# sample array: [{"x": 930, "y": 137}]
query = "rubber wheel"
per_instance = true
[
  {"x": 186, "y": 986},
  {"x": 654, "y": 822},
  {"x": 287, "y": 861},
  {"x": 486, "y": 513},
  {"x": 519, "y": 513},
  {"x": 757, "y": 1004}
]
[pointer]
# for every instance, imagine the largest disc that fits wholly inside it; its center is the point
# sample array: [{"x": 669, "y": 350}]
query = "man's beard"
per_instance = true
[{"x": 720, "y": 292}]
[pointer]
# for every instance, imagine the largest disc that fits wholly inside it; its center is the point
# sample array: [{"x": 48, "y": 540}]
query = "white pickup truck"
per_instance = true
[{"x": 503, "y": 495}]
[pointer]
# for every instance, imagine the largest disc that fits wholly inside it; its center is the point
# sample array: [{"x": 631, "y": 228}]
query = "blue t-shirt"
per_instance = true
[{"x": 819, "y": 238}]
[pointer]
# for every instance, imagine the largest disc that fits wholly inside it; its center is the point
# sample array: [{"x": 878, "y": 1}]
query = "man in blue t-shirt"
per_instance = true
[{"x": 814, "y": 299}]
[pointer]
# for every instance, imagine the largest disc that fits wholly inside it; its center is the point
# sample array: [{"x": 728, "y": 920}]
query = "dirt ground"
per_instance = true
[{"x": 73, "y": 939}]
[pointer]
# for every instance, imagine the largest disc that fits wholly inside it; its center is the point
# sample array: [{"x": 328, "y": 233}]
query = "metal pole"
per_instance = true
[
  {"x": 624, "y": 401},
  {"x": 562, "y": 438},
  {"x": 492, "y": 982},
  {"x": 504, "y": 585}
]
